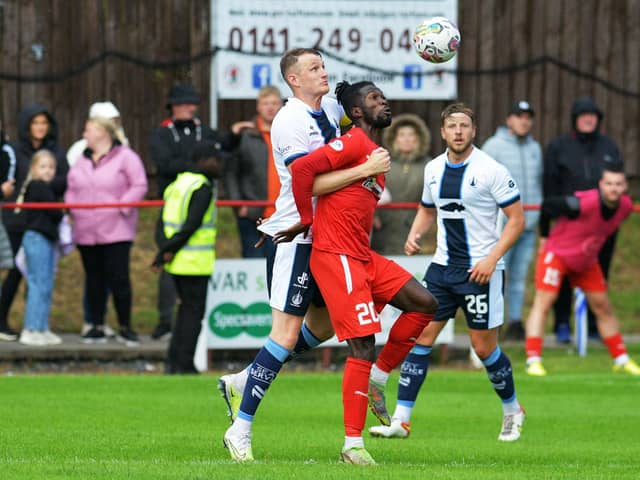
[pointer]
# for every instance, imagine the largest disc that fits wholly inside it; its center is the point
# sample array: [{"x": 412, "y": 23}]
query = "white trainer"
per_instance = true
[
  {"x": 512, "y": 426},
  {"x": 51, "y": 338},
  {"x": 397, "y": 429},
  {"x": 31, "y": 338},
  {"x": 231, "y": 394},
  {"x": 239, "y": 445}
]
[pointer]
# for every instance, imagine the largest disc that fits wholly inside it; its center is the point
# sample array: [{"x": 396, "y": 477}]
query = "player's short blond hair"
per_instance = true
[
  {"x": 457, "y": 107},
  {"x": 290, "y": 58}
]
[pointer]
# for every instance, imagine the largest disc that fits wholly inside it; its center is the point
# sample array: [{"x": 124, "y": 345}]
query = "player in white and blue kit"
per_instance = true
[
  {"x": 305, "y": 123},
  {"x": 463, "y": 189}
]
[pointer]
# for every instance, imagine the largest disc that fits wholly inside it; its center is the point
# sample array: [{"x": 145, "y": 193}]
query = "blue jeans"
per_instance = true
[
  {"x": 517, "y": 261},
  {"x": 39, "y": 251}
]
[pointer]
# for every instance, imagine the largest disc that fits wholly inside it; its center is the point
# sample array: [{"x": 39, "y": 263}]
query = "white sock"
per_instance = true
[
  {"x": 530, "y": 360},
  {"x": 402, "y": 413},
  {"x": 240, "y": 379},
  {"x": 511, "y": 408},
  {"x": 621, "y": 359},
  {"x": 240, "y": 425},
  {"x": 351, "y": 442},
  {"x": 378, "y": 376}
]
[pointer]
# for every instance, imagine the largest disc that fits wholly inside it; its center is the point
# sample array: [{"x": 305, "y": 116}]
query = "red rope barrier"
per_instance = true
[{"x": 219, "y": 203}]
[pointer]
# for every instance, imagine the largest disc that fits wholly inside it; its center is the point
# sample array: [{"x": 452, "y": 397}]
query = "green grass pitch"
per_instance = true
[{"x": 583, "y": 422}]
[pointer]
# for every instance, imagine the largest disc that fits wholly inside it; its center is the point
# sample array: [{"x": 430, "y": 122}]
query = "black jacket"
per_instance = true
[
  {"x": 172, "y": 144},
  {"x": 42, "y": 221},
  {"x": 575, "y": 161},
  {"x": 24, "y": 150}
]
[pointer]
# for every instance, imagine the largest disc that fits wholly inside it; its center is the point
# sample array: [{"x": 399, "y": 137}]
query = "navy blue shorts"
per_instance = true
[{"x": 483, "y": 305}]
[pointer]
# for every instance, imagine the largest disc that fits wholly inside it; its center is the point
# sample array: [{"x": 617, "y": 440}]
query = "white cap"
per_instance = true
[{"x": 103, "y": 109}]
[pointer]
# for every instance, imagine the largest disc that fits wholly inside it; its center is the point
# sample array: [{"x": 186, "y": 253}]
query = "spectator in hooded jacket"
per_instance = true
[
  {"x": 107, "y": 172},
  {"x": 171, "y": 147},
  {"x": 37, "y": 129},
  {"x": 408, "y": 140},
  {"x": 573, "y": 162},
  {"x": 514, "y": 147}
]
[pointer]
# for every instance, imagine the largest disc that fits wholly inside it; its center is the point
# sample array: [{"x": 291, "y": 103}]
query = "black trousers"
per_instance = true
[
  {"x": 107, "y": 268},
  {"x": 12, "y": 280},
  {"x": 167, "y": 296},
  {"x": 192, "y": 293},
  {"x": 564, "y": 302}
]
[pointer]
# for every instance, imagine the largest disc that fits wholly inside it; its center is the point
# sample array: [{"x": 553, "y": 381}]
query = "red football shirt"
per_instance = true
[{"x": 343, "y": 219}]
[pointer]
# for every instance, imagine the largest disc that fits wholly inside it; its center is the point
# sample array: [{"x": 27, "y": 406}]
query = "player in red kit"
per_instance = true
[
  {"x": 355, "y": 281},
  {"x": 587, "y": 219}
]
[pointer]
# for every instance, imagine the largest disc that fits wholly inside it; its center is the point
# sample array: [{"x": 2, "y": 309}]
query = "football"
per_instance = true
[{"x": 437, "y": 39}]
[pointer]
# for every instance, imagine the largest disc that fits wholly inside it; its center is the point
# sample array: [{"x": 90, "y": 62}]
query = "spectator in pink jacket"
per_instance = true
[{"x": 107, "y": 172}]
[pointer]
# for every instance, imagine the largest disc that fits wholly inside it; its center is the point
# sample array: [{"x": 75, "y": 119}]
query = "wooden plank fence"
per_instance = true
[{"x": 44, "y": 37}]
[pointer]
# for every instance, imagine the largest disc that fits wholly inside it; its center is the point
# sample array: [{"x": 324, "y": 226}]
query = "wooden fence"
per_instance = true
[{"x": 47, "y": 37}]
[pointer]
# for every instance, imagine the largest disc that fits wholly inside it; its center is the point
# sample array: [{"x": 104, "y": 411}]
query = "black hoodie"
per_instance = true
[
  {"x": 24, "y": 150},
  {"x": 575, "y": 161}
]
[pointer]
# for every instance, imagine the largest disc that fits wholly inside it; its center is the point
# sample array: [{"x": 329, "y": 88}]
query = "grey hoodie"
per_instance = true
[{"x": 523, "y": 159}]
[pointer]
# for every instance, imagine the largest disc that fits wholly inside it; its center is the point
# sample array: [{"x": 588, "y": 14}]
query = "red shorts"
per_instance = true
[
  {"x": 550, "y": 271},
  {"x": 356, "y": 291}
]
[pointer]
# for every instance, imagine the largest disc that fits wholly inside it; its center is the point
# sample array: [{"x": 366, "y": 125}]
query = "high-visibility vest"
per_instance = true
[{"x": 198, "y": 255}]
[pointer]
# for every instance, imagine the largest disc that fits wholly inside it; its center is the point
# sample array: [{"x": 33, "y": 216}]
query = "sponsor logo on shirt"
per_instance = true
[
  {"x": 453, "y": 207},
  {"x": 372, "y": 185},
  {"x": 337, "y": 145}
]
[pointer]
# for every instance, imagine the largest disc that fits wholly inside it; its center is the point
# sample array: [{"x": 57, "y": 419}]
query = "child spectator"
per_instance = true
[{"x": 38, "y": 242}]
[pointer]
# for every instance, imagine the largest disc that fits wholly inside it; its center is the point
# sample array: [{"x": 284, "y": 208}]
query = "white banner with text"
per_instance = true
[{"x": 367, "y": 39}]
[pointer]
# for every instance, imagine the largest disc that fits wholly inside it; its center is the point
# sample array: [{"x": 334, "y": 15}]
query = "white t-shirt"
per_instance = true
[
  {"x": 467, "y": 197},
  {"x": 294, "y": 133}
]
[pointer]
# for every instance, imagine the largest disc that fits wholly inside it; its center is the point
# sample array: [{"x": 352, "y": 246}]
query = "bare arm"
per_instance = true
[
  {"x": 421, "y": 225},
  {"x": 481, "y": 272},
  {"x": 377, "y": 162}
]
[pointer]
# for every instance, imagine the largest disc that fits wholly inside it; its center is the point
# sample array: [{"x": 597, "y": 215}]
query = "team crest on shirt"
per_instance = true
[
  {"x": 337, "y": 145},
  {"x": 373, "y": 186}
]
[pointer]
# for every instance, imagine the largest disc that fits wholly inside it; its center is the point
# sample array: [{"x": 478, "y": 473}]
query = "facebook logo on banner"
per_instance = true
[
  {"x": 261, "y": 75},
  {"x": 412, "y": 77}
]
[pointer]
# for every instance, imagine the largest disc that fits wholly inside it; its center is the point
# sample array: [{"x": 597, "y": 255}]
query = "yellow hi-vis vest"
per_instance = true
[{"x": 198, "y": 255}]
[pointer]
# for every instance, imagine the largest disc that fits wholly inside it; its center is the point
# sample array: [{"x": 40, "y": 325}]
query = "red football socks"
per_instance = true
[
  {"x": 616, "y": 345},
  {"x": 355, "y": 399},
  {"x": 402, "y": 337},
  {"x": 533, "y": 346}
]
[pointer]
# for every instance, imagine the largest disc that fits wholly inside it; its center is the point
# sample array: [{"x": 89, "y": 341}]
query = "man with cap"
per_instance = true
[
  {"x": 575, "y": 161},
  {"x": 514, "y": 147},
  {"x": 171, "y": 148}
]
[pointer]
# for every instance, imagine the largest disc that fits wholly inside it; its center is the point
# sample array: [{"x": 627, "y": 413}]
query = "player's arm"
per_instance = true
[
  {"x": 303, "y": 173},
  {"x": 378, "y": 161},
  {"x": 425, "y": 217},
  {"x": 481, "y": 272}
]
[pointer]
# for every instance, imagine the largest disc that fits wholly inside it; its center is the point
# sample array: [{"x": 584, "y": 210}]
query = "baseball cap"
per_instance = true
[
  {"x": 522, "y": 107},
  {"x": 103, "y": 109}
]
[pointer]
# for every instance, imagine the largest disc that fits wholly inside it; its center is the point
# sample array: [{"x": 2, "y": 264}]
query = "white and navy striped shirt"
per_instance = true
[
  {"x": 467, "y": 197},
  {"x": 295, "y": 132}
]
